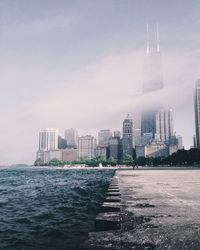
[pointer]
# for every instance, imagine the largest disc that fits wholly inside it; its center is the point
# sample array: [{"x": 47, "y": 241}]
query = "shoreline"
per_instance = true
[{"x": 149, "y": 210}]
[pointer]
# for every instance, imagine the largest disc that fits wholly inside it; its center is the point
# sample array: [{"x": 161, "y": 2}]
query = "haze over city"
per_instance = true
[{"x": 80, "y": 64}]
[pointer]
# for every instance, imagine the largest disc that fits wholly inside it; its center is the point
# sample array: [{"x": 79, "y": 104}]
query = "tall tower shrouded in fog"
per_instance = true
[
  {"x": 197, "y": 112},
  {"x": 152, "y": 82},
  {"x": 153, "y": 77}
]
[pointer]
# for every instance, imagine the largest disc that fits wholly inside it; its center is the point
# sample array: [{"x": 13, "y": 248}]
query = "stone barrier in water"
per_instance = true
[{"x": 109, "y": 216}]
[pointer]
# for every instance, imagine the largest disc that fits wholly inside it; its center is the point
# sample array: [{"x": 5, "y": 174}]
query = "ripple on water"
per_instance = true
[{"x": 49, "y": 208}]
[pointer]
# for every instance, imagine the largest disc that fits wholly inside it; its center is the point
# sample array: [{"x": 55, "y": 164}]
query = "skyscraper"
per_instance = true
[
  {"x": 71, "y": 137},
  {"x": 152, "y": 82},
  {"x": 197, "y": 112},
  {"x": 127, "y": 139},
  {"x": 115, "y": 148},
  {"x": 103, "y": 137},
  {"x": 48, "y": 139},
  {"x": 164, "y": 125},
  {"x": 153, "y": 79},
  {"x": 62, "y": 143},
  {"x": 86, "y": 147}
]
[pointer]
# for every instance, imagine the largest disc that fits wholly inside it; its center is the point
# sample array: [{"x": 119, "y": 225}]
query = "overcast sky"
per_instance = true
[{"x": 79, "y": 63}]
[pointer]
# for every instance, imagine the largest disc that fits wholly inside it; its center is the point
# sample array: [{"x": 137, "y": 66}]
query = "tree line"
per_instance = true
[{"x": 180, "y": 158}]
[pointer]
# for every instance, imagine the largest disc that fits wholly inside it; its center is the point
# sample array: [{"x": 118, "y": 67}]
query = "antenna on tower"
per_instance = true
[
  {"x": 157, "y": 38},
  {"x": 147, "y": 38}
]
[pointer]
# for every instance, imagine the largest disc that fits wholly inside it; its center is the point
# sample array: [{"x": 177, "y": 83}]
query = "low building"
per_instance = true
[
  {"x": 52, "y": 154},
  {"x": 140, "y": 151},
  {"x": 69, "y": 155},
  {"x": 154, "y": 150}
]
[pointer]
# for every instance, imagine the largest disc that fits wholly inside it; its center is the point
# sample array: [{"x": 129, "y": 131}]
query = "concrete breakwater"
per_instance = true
[{"x": 149, "y": 209}]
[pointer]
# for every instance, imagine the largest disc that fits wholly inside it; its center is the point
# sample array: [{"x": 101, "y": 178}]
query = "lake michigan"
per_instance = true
[{"x": 49, "y": 208}]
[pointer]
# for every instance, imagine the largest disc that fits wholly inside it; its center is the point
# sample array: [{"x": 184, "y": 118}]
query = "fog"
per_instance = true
[{"x": 63, "y": 66}]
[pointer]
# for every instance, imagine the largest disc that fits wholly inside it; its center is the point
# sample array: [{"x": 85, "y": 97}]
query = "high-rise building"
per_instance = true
[
  {"x": 127, "y": 137},
  {"x": 153, "y": 76},
  {"x": 101, "y": 152},
  {"x": 86, "y": 147},
  {"x": 103, "y": 137},
  {"x": 117, "y": 134},
  {"x": 164, "y": 125},
  {"x": 152, "y": 82},
  {"x": 180, "y": 142},
  {"x": 48, "y": 139},
  {"x": 197, "y": 112},
  {"x": 115, "y": 148},
  {"x": 71, "y": 136},
  {"x": 194, "y": 141},
  {"x": 62, "y": 143}
]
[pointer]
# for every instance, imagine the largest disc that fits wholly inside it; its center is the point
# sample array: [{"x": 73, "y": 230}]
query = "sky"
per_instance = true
[{"x": 80, "y": 64}]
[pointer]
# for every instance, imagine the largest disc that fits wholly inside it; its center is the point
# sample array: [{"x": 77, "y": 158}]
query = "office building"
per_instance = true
[
  {"x": 103, "y": 137},
  {"x": 115, "y": 148},
  {"x": 197, "y": 112},
  {"x": 164, "y": 125},
  {"x": 117, "y": 134},
  {"x": 154, "y": 150},
  {"x": 71, "y": 136},
  {"x": 69, "y": 154},
  {"x": 152, "y": 82},
  {"x": 127, "y": 137},
  {"x": 62, "y": 143},
  {"x": 101, "y": 152},
  {"x": 86, "y": 147},
  {"x": 48, "y": 139}
]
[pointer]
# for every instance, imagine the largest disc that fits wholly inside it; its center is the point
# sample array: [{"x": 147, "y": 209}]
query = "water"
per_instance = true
[{"x": 49, "y": 208}]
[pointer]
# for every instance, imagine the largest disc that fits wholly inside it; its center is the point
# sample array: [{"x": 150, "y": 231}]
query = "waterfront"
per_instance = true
[
  {"x": 49, "y": 208},
  {"x": 160, "y": 209}
]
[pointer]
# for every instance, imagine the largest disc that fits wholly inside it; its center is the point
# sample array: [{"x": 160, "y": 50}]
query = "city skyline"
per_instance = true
[{"x": 63, "y": 66}]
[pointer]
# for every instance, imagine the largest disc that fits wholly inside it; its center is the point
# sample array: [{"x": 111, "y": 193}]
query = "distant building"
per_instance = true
[
  {"x": 71, "y": 136},
  {"x": 62, "y": 143},
  {"x": 66, "y": 155},
  {"x": 140, "y": 151},
  {"x": 164, "y": 125},
  {"x": 52, "y": 154},
  {"x": 101, "y": 152},
  {"x": 48, "y": 139},
  {"x": 194, "y": 141},
  {"x": 197, "y": 112},
  {"x": 86, "y": 147},
  {"x": 103, "y": 137},
  {"x": 69, "y": 154},
  {"x": 137, "y": 136},
  {"x": 117, "y": 134},
  {"x": 127, "y": 137},
  {"x": 156, "y": 150},
  {"x": 115, "y": 148},
  {"x": 180, "y": 142},
  {"x": 173, "y": 148},
  {"x": 152, "y": 82}
]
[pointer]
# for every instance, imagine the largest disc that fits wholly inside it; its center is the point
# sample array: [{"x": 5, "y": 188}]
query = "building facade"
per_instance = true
[
  {"x": 127, "y": 137},
  {"x": 197, "y": 112},
  {"x": 101, "y": 152},
  {"x": 86, "y": 147},
  {"x": 115, "y": 148},
  {"x": 164, "y": 125},
  {"x": 48, "y": 139},
  {"x": 71, "y": 136},
  {"x": 154, "y": 150},
  {"x": 103, "y": 137}
]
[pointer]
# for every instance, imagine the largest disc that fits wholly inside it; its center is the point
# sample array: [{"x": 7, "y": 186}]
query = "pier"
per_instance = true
[{"x": 149, "y": 209}]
